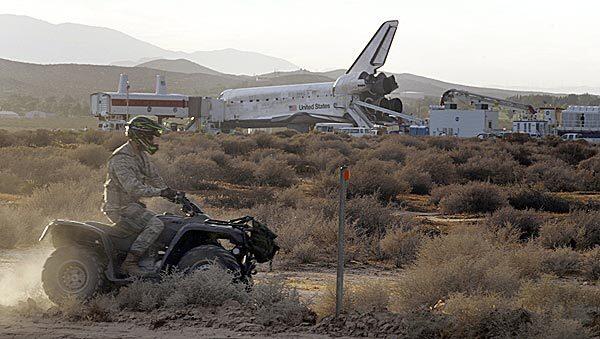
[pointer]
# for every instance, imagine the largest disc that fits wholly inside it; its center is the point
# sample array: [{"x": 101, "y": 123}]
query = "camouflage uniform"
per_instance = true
[{"x": 132, "y": 176}]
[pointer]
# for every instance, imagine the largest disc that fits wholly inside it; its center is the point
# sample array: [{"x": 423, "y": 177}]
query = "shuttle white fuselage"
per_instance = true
[{"x": 284, "y": 104}]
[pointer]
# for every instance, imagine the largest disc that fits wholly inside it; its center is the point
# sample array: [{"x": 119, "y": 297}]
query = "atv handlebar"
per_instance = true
[{"x": 187, "y": 206}]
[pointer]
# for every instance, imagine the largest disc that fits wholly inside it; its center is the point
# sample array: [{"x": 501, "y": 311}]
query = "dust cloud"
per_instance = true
[{"x": 20, "y": 275}]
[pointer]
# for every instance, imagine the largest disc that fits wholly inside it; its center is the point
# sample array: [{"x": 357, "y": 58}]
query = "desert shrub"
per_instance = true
[
  {"x": 216, "y": 155},
  {"x": 562, "y": 262},
  {"x": 8, "y": 231},
  {"x": 100, "y": 309},
  {"x": 6, "y": 139},
  {"x": 579, "y": 230},
  {"x": 237, "y": 145},
  {"x": 457, "y": 263},
  {"x": 302, "y": 225},
  {"x": 277, "y": 303},
  {"x": 275, "y": 173},
  {"x": 521, "y": 153},
  {"x": 361, "y": 298},
  {"x": 92, "y": 136},
  {"x": 10, "y": 182},
  {"x": 114, "y": 141},
  {"x": 574, "y": 152},
  {"x": 419, "y": 182},
  {"x": 474, "y": 197},
  {"x": 524, "y": 197},
  {"x": 486, "y": 316},
  {"x": 91, "y": 155},
  {"x": 499, "y": 169},
  {"x": 588, "y": 222},
  {"x": 444, "y": 143},
  {"x": 462, "y": 154},
  {"x": 41, "y": 166},
  {"x": 590, "y": 265},
  {"x": 321, "y": 142},
  {"x": 76, "y": 200},
  {"x": 326, "y": 185},
  {"x": 439, "y": 165},
  {"x": 296, "y": 144},
  {"x": 568, "y": 300},
  {"x": 189, "y": 172},
  {"x": 241, "y": 198},
  {"x": 265, "y": 140},
  {"x": 526, "y": 222},
  {"x": 327, "y": 160},
  {"x": 20, "y": 227},
  {"x": 290, "y": 197},
  {"x": 37, "y": 138},
  {"x": 547, "y": 326},
  {"x": 555, "y": 175},
  {"x": 557, "y": 233},
  {"x": 390, "y": 150},
  {"x": 305, "y": 253},
  {"x": 210, "y": 287},
  {"x": 260, "y": 154},
  {"x": 368, "y": 215},
  {"x": 376, "y": 177},
  {"x": 242, "y": 172},
  {"x": 526, "y": 259},
  {"x": 401, "y": 246}
]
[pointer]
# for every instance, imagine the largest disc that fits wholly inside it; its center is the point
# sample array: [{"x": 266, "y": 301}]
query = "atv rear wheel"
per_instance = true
[
  {"x": 202, "y": 257},
  {"x": 73, "y": 272}
]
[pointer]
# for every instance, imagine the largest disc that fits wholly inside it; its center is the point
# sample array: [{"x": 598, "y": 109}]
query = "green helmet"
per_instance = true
[{"x": 142, "y": 130}]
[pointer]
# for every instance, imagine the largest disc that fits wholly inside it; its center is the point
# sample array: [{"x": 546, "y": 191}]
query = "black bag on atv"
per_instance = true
[{"x": 262, "y": 242}]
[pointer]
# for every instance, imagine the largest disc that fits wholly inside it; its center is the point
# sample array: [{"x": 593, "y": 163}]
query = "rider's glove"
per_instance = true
[{"x": 168, "y": 193}]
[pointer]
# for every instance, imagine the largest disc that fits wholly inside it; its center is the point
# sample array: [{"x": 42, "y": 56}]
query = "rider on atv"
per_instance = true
[{"x": 131, "y": 176}]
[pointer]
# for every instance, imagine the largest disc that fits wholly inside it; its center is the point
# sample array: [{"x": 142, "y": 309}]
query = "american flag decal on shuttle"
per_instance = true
[{"x": 293, "y": 108}]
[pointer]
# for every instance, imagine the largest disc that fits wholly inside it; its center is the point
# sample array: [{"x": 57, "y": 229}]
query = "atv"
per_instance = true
[{"x": 88, "y": 254}]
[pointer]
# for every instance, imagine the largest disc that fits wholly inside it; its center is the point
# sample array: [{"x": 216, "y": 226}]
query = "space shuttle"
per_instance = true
[{"x": 358, "y": 96}]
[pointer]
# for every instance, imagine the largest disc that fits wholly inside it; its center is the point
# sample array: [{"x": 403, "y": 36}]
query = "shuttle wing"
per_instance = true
[{"x": 376, "y": 51}]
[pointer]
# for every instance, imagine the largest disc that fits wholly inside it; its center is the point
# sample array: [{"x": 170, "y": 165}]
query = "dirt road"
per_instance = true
[{"x": 19, "y": 280}]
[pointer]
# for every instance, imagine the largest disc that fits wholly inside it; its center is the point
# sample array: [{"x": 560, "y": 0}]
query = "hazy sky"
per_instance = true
[{"x": 506, "y": 43}]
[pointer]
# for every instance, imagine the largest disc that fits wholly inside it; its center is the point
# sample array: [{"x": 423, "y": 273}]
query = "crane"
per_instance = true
[{"x": 450, "y": 94}]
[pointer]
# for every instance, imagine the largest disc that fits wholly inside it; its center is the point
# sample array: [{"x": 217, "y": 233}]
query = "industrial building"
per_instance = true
[
  {"x": 581, "y": 119},
  {"x": 451, "y": 121},
  {"x": 535, "y": 128}
]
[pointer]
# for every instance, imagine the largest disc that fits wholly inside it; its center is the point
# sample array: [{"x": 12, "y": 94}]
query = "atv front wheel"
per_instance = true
[
  {"x": 202, "y": 257},
  {"x": 73, "y": 272}
]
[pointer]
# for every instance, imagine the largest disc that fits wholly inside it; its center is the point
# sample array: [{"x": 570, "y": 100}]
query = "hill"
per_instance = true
[
  {"x": 79, "y": 81},
  {"x": 178, "y": 65},
  {"x": 31, "y": 40}
]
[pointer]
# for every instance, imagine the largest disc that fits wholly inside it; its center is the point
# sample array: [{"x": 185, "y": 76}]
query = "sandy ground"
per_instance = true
[{"x": 20, "y": 279}]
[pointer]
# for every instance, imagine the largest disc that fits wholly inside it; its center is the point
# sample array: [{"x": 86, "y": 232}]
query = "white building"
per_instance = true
[
  {"x": 535, "y": 128},
  {"x": 448, "y": 120},
  {"x": 9, "y": 115},
  {"x": 39, "y": 114},
  {"x": 585, "y": 118}
]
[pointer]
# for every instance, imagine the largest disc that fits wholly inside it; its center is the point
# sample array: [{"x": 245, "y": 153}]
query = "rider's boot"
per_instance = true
[{"x": 131, "y": 266}]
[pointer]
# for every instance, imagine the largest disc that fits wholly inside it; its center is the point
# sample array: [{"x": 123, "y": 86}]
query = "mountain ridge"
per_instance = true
[
  {"x": 80, "y": 80},
  {"x": 44, "y": 42}
]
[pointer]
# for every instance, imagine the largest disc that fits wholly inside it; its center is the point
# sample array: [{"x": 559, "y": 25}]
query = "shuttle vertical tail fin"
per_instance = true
[{"x": 376, "y": 51}]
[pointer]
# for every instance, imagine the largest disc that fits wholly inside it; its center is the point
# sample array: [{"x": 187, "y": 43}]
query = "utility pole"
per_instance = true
[{"x": 339, "y": 290}]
